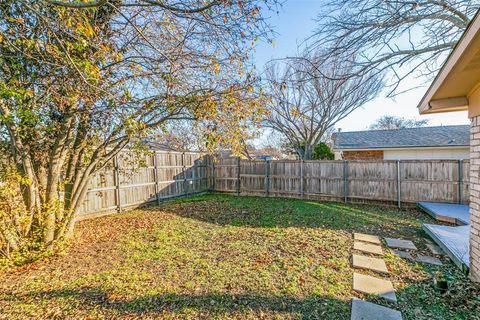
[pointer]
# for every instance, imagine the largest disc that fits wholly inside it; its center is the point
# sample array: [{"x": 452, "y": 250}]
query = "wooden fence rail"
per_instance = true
[
  {"x": 406, "y": 181},
  {"x": 131, "y": 181}
]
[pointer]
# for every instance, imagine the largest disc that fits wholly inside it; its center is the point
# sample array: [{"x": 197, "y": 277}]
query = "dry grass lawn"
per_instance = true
[{"x": 223, "y": 257}]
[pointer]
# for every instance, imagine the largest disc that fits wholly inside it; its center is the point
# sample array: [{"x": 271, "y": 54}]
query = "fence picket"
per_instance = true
[
  {"x": 134, "y": 180},
  {"x": 172, "y": 174},
  {"x": 406, "y": 181}
]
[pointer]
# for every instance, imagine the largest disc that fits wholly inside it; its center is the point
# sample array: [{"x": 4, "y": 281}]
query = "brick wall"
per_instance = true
[
  {"x": 363, "y": 155},
  {"x": 475, "y": 199}
]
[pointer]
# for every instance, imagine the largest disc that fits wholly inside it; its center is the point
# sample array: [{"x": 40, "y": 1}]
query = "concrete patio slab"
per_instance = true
[
  {"x": 370, "y": 263},
  {"x": 367, "y": 247},
  {"x": 447, "y": 212},
  {"x": 363, "y": 310},
  {"x": 455, "y": 241},
  {"x": 402, "y": 254},
  {"x": 435, "y": 249},
  {"x": 366, "y": 238},
  {"x": 372, "y": 285},
  {"x": 400, "y": 244},
  {"x": 429, "y": 260}
]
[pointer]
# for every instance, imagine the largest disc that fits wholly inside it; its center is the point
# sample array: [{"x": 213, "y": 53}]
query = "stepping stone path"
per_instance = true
[
  {"x": 367, "y": 247},
  {"x": 403, "y": 254},
  {"x": 407, "y": 244},
  {"x": 363, "y": 310},
  {"x": 429, "y": 259},
  {"x": 369, "y": 263},
  {"x": 400, "y": 244},
  {"x": 366, "y": 238},
  {"x": 372, "y": 285},
  {"x": 435, "y": 249}
]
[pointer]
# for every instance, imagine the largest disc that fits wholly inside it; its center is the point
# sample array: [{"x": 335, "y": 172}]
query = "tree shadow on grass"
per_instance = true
[
  {"x": 208, "y": 305},
  {"x": 413, "y": 301},
  {"x": 277, "y": 212}
]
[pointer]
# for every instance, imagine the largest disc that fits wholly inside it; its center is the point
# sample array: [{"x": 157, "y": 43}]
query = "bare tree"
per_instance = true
[
  {"x": 400, "y": 37},
  {"x": 308, "y": 96},
  {"x": 392, "y": 122}
]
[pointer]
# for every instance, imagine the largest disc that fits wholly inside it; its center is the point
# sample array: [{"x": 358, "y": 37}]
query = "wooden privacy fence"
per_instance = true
[
  {"x": 406, "y": 181},
  {"x": 131, "y": 180}
]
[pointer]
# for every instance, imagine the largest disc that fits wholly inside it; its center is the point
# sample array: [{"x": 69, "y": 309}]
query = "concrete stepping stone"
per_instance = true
[
  {"x": 400, "y": 244},
  {"x": 429, "y": 259},
  {"x": 402, "y": 254},
  {"x": 363, "y": 310},
  {"x": 366, "y": 238},
  {"x": 372, "y": 285},
  {"x": 370, "y": 263},
  {"x": 435, "y": 249},
  {"x": 367, "y": 247}
]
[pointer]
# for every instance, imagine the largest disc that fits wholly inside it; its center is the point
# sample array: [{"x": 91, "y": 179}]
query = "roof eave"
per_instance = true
[
  {"x": 450, "y": 104},
  {"x": 444, "y": 105}
]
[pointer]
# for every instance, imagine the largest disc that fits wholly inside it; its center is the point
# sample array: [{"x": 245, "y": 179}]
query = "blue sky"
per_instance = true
[{"x": 295, "y": 22}]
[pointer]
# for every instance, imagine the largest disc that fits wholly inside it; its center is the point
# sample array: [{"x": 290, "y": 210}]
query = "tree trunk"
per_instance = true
[{"x": 308, "y": 153}]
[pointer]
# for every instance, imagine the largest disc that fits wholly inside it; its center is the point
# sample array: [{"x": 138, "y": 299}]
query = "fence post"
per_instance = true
[
  {"x": 116, "y": 177},
  {"x": 184, "y": 170},
  {"x": 238, "y": 176},
  {"x": 345, "y": 180},
  {"x": 460, "y": 180},
  {"x": 399, "y": 186},
  {"x": 267, "y": 178},
  {"x": 155, "y": 177},
  {"x": 302, "y": 177},
  {"x": 213, "y": 172}
]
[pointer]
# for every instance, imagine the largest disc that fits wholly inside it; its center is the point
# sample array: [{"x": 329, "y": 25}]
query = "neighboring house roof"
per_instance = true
[
  {"x": 442, "y": 136},
  {"x": 159, "y": 146}
]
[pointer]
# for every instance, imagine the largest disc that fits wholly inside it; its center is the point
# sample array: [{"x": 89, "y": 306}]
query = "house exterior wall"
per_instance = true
[
  {"x": 405, "y": 154},
  {"x": 474, "y": 102},
  {"x": 337, "y": 155},
  {"x": 363, "y": 155},
  {"x": 475, "y": 199},
  {"x": 428, "y": 154}
]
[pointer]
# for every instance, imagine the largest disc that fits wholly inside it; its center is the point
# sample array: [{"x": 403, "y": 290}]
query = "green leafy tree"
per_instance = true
[
  {"x": 81, "y": 80},
  {"x": 322, "y": 152}
]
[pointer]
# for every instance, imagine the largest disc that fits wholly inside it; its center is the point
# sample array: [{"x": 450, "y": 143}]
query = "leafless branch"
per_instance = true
[
  {"x": 310, "y": 95},
  {"x": 393, "y": 36}
]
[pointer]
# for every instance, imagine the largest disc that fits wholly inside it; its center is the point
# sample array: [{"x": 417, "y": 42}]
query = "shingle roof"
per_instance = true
[{"x": 442, "y": 136}]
